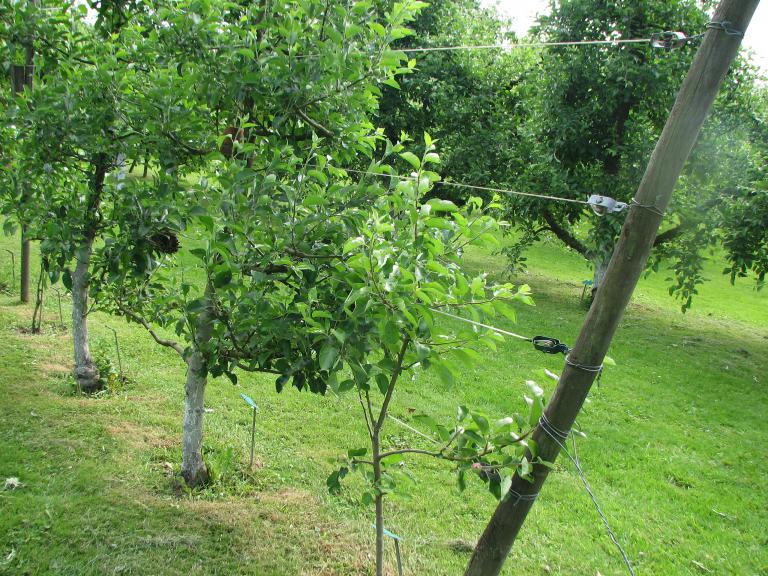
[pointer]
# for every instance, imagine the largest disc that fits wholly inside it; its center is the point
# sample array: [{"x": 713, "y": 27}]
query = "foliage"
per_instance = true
[{"x": 575, "y": 121}]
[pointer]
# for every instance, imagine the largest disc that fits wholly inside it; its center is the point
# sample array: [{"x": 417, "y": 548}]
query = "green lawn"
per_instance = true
[{"x": 675, "y": 450}]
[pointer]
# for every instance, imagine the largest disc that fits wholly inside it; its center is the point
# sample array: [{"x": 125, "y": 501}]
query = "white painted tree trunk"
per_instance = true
[
  {"x": 86, "y": 373},
  {"x": 193, "y": 467}
]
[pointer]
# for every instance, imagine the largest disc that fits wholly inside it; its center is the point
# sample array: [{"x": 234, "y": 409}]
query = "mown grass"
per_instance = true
[{"x": 675, "y": 451}]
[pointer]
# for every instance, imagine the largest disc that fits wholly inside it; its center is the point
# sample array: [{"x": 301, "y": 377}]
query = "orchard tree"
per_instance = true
[
  {"x": 17, "y": 23},
  {"x": 380, "y": 321},
  {"x": 467, "y": 100},
  {"x": 101, "y": 99},
  {"x": 592, "y": 119},
  {"x": 292, "y": 86}
]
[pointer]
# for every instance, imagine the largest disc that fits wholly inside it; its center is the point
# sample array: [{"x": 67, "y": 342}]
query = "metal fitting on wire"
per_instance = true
[
  {"x": 668, "y": 40},
  {"x": 726, "y": 27},
  {"x": 602, "y": 205}
]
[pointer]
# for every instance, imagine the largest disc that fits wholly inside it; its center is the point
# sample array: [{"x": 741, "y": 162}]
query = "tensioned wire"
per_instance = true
[
  {"x": 473, "y": 187},
  {"x": 513, "y": 45}
]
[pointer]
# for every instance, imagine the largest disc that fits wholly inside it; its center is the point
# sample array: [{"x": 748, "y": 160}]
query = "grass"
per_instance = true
[{"x": 675, "y": 451}]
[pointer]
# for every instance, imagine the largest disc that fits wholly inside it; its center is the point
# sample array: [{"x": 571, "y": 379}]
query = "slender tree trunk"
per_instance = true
[
  {"x": 27, "y": 80},
  {"x": 672, "y": 150},
  {"x": 86, "y": 373},
  {"x": 25, "y": 257},
  {"x": 379, "y": 500},
  {"x": 37, "y": 314},
  {"x": 193, "y": 467}
]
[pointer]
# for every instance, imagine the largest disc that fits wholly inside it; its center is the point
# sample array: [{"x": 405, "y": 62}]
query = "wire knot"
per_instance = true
[
  {"x": 521, "y": 497},
  {"x": 650, "y": 207},
  {"x": 587, "y": 368},
  {"x": 726, "y": 27},
  {"x": 552, "y": 430}
]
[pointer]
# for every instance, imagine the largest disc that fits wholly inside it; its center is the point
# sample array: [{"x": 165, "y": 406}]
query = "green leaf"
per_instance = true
[
  {"x": 328, "y": 355},
  {"x": 445, "y": 374},
  {"x": 482, "y": 422},
  {"x": 346, "y": 385},
  {"x": 382, "y": 382},
  {"x": 438, "y": 205},
  {"x": 412, "y": 159},
  {"x": 355, "y": 452},
  {"x": 352, "y": 243}
]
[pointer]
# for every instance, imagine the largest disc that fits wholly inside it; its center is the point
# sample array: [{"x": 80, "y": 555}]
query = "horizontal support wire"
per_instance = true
[
  {"x": 472, "y": 47},
  {"x": 512, "y": 45},
  {"x": 473, "y": 187},
  {"x": 481, "y": 325}
]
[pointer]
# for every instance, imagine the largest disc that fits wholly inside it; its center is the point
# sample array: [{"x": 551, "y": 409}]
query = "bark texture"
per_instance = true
[
  {"x": 86, "y": 373},
  {"x": 193, "y": 467}
]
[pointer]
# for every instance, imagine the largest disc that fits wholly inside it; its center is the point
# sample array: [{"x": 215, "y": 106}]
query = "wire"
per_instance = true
[
  {"x": 481, "y": 325},
  {"x": 474, "y": 187},
  {"x": 545, "y": 425},
  {"x": 526, "y": 45}
]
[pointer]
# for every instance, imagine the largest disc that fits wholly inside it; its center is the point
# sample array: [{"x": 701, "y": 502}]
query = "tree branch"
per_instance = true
[
  {"x": 563, "y": 234},
  {"x": 314, "y": 124},
  {"x": 668, "y": 236},
  {"x": 139, "y": 320}
]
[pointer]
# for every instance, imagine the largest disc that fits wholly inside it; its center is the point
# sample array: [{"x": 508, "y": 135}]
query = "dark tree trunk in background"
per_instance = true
[{"x": 23, "y": 77}]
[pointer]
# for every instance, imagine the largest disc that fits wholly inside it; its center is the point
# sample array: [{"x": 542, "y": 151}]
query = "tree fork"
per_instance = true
[{"x": 693, "y": 102}]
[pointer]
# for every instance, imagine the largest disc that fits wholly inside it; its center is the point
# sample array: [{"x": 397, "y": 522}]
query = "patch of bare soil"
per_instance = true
[{"x": 140, "y": 436}]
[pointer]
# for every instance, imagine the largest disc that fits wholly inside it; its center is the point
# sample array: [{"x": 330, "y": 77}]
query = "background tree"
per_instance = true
[
  {"x": 468, "y": 100},
  {"x": 19, "y": 61},
  {"x": 575, "y": 121}
]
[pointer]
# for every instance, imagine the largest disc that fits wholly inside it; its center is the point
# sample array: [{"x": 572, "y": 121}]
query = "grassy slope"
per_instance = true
[{"x": 675, "y": 452}]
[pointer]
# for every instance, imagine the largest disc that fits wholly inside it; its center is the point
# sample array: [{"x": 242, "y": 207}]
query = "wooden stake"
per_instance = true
[{"x": 694, "y": 100}]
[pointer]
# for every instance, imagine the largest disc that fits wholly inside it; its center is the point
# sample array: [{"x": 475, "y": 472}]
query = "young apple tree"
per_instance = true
[
  {"x": 378, "y": 323},
  {"x": 102, "y": 97}
]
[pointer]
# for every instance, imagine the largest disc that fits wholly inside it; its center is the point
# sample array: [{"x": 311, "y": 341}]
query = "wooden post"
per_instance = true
[{"x": 694, "y": 100}]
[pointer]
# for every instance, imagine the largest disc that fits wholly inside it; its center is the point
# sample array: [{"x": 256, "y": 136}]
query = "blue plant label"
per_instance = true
[
  {"x": 388, "y": 533},
  {"x": 249, "y": 400}
]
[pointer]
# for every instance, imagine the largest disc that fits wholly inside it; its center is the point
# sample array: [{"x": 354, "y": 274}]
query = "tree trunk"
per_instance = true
[
  {"x": 86, "y": 373},
  {"x": 25, "y": 257},
  {"x": 635, "y": 243},
  {"x": 376, "y": 449},
  {"x": 193, "y": 467},
  {"x": 37, "y": 314}
]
